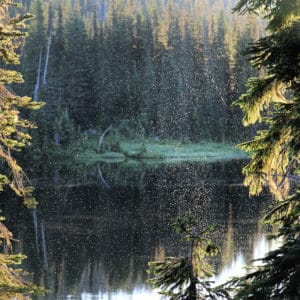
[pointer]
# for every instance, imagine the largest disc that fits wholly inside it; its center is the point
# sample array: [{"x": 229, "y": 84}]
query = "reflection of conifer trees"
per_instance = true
[{"x": 118, "y": 231}]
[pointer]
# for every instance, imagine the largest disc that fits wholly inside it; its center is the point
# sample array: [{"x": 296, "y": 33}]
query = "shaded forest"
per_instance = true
[{"x": 151, "y": 69}]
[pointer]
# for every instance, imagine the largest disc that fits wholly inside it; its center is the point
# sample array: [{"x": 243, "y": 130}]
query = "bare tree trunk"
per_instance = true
[
  {"x": 103, "y": 136},
  {"x": 38, "y": 77},
  {"x": 47, "y": 58}
]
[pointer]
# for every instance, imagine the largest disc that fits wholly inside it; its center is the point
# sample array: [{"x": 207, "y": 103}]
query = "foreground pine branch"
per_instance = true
[{"x": 185, "y": 278}]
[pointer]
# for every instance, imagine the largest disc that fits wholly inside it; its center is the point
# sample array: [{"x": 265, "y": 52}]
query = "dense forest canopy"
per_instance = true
[{"x": 158, "y": 69}]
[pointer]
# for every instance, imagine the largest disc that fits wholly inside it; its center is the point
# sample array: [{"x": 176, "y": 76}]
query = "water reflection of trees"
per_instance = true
[{"x": 102, "y": 238}]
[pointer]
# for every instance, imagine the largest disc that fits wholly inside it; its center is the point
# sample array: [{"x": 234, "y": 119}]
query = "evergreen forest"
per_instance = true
[
  {"x": 119, "y": 120},
  {"x": 150, "y": 69}
]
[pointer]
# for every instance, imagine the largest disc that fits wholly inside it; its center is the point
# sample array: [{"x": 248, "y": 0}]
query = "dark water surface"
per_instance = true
[{"x": 95, "y": 228}]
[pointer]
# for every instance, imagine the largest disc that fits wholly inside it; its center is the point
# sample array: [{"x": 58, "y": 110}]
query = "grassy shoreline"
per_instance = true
[{"x": 166, "y": 151}]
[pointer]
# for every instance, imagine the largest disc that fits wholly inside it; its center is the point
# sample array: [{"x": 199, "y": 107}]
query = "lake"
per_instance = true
[{"x": 96, "y": 227}]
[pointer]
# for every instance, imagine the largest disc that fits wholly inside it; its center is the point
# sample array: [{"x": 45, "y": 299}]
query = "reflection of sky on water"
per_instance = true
[
  {"x": 235, "y": 268},
  {"x": 137, "y": 294},
  {"x": 263, "y": 247}
]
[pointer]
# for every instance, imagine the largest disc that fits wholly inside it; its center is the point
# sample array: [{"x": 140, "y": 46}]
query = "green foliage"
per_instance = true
[
  {"x": 171, "y": 275},
  {"x": 273, "y": 99},
  {"x": 279, "y": 13},
  {"x": 12, "y": 280},
  {"x": 185, "y": 278},
  {"x": 13, "y": 136},
  {"x": 166, "y": 68},
  {"x": 64, "y": 129},
  {"x": 12, "y": 283},
  {"x": 111, "y": 142},
  {"x": 13, "y": 128}
]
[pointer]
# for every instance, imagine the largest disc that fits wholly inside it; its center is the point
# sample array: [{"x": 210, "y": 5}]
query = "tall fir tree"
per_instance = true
[
  {"x": 77, "y": 75},
  {"x": 273, "y": 99},
  {"x": 13, "y": 136},
  {"x": 186, "y": 277},
  {"x": 221, "y": 77}
]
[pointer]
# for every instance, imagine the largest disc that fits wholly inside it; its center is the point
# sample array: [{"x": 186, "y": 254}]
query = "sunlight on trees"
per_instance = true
[
  {"x": 167, "y": 70},
  {"x": 13, "y": 136},
  {"x": 273, "y": 100},
  {"x": 13, "y": 128}
]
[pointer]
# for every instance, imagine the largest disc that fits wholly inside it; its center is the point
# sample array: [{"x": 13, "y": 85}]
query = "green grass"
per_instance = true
[
  {"x": 90, "y": 157},
  {"x": 166, "y": 151}
]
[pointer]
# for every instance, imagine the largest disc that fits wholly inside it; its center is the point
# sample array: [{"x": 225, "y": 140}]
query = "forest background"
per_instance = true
[
  {"x": 159, "y": 70},
  {"x": 133, "y": 73}
]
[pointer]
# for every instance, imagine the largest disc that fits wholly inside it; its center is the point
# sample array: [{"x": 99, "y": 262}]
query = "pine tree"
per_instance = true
[
  {"x": 185, "y": 278},
  {"x": 13, "y": 128},
  {"x": 96, "y": 77},
  {"x": 273, "y": 99},
  {"x": 241, "y": 71},
  {"x": 154, "y": 63},
  {"x": 13, "y": 136},
  {"x": 221, "y": 77},
  {"x": 77, "y": 75},
  {"x": 57, "y": 65}
]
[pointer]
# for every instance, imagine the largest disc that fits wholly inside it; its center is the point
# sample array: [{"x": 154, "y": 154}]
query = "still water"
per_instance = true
[{"x": 96, "y": 227}]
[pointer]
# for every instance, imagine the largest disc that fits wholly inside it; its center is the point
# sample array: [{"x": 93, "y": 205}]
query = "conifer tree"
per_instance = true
[
  {"x": 57, "y": 66},
  {"x": 221, "y": 77},
  {"x": 273, "y": 99},
  {"x": 77, "y": 75},
  {"x": 96, "y": 77},
  {"x": 13, "y": 128},
  {"x": 13, "y": 136},
  {"x": 185, "y": 278},
  {"x": 161, "y": 65}
]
